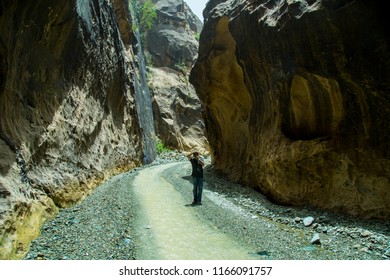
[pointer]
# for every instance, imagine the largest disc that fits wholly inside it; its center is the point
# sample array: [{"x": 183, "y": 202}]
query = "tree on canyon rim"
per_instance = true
[{"x": 145, "y": 14}]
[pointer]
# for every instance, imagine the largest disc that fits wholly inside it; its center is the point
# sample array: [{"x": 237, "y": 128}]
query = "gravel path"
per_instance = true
[
  {"x": 99, "y": 228},
  {"x": 278, "y": 232},
  {"x": 169, "y": 229},
  {"x": 106, "y": 224}
]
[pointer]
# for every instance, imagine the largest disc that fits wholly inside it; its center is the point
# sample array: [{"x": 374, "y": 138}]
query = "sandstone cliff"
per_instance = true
[
  {"x": 172, "y": 49},
  {"x": 295, "y": 98},
  {"x": 68, "y": 118}
]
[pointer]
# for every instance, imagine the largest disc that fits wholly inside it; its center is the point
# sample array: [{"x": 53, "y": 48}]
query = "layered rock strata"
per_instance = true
[
  {"x": 67, "y": 109},
  {"x": 295, "y": 100}
]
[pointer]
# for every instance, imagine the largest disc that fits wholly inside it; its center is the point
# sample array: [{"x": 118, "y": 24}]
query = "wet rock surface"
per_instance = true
[{"x": 102, "y": 226}]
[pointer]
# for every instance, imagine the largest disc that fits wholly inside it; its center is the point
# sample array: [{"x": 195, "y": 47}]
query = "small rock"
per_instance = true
[
  {"x": 366, "y": 233},
  {"x": 315, "y": 225},
  {"x": 127, "y": 241},
  {"x": 308, "y": 221},
  {"x": 315, "y": 239},
  {"x": 297, "y": 219},
  {"x": 365, "y": 250}
]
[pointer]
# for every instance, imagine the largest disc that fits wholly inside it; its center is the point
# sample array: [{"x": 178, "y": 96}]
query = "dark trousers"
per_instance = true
[{"x": 198, "y": 188}]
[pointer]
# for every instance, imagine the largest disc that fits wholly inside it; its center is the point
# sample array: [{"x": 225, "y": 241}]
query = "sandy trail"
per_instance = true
[{"x": 172, "y": 230}]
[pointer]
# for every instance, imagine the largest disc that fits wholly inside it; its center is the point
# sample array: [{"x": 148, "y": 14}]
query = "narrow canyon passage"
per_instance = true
[
  {"x": 289, "y": 98},
  {"x": 172, "y": 230},
  {"x": 142, "y": 215}
]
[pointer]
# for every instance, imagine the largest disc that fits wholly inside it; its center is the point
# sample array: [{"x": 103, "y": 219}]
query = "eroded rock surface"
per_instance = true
[
  {"x": 171, "y": 41},
  {"x": 67, "y": 109},
  {"x": 177, "y": 111},
  {"x": 172, "y": 48},
  {"x": 295, "y": 100}
]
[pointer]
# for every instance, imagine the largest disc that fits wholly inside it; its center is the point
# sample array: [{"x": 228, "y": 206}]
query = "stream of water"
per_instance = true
[{"x": 143, "y": 100}]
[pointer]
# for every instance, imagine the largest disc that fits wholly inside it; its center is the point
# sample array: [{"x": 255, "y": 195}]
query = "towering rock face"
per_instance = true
[
  {"x": 67, "y": 109},
  {"x": 172, "y": 48},
  {"x": 295, "y": 100},
  {"x": 177, "y": 111},
  {"x": 171, "y": 42}
]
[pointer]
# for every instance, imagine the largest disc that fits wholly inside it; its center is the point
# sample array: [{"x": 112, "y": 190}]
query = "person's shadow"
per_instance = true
[{"x": 188, "y": 178}]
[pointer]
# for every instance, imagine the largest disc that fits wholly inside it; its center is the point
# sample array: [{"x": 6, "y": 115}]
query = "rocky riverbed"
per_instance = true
[{"x": 103, "y": 225}]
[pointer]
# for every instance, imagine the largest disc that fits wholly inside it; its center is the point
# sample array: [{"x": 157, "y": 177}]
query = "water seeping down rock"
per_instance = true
[
  {"x": 295, "y": 100},
  {"x": 68, "y": 118}
]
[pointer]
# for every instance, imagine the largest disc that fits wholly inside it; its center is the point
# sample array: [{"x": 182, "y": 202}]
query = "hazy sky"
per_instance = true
[{"x": 197, "y": 7}]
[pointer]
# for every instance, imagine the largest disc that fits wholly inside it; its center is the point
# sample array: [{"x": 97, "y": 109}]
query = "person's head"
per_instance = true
[{"x": 196, "y": 154}]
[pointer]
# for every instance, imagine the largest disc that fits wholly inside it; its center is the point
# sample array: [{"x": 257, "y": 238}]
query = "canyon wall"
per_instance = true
[
  {"x": 172, "y": 48},
  {"x": 68, "y": 118},
  {"x": 295, "y": 100}
]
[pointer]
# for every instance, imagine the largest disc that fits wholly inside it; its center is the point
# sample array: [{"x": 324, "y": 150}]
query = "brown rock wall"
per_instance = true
[
  {"x": 67, "y": 110},
  {"x": 295, "y": 100}
]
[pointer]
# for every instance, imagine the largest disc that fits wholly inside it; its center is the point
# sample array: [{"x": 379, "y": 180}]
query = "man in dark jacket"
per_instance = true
[{"x": 197, "y": 176}]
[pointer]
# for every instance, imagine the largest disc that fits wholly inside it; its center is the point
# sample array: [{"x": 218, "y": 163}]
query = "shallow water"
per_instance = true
[{"x": 167, "y": 229}]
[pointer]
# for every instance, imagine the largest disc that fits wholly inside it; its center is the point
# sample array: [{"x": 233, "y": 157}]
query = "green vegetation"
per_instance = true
[
  {"x": 160, "y": 147},
  {"x": 148, "y": 15},
  {"x": 144, "y": 12},
  {"x": 181, "y": 66},
  {"x": 197, "y": 36}
]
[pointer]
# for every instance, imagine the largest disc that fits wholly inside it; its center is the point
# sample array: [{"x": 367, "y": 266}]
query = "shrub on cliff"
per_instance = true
[{"x": 145, "y": 13}]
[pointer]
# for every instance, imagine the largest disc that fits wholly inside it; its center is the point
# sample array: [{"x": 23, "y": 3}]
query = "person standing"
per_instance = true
[{"x": 197, "y": 164}]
